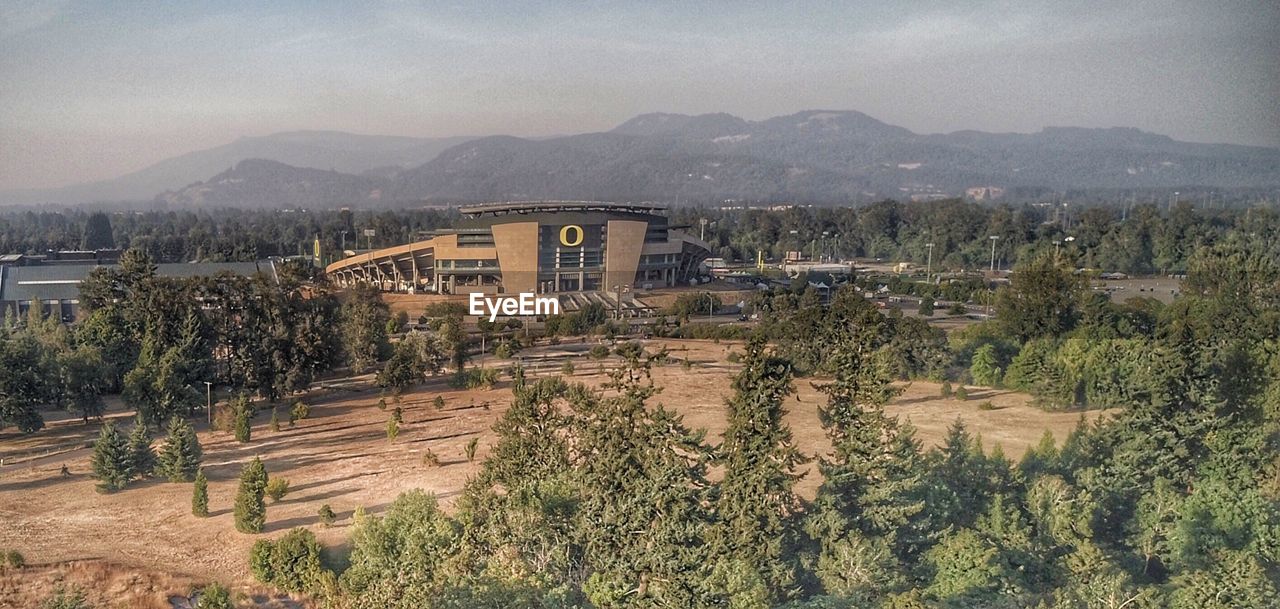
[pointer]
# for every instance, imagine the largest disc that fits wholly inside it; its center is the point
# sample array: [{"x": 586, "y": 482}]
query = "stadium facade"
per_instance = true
[{"x": 538, "y": 247}]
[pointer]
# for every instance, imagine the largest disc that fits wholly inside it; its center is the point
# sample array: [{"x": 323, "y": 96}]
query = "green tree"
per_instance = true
[
  {"x": 363, "y": 320},
  {"x": 112, "y": 460},
  {"x": 81, "y": 381},
  {"x": 403, "y": 369},
  {"x": 25, "y": 379},
  {"x": 244, "y": 419},
  {"x": 144, "y": 457},
  {"x": 755, "y": 501},
  {"x": 200, "y": 496},
  {"x": 398, "y": 561},
  {"x": 1040, "y": 300},
  {"x": 180, "y": 457},
  {"x": 292, "y": 563},
  {"x": 872, "y": 488},
  {"x": 926, "y": 306},
  {"x": 97, "y": 233},
  {"x": 250, "y": 508},
  {"x": 985, "y": 369}
]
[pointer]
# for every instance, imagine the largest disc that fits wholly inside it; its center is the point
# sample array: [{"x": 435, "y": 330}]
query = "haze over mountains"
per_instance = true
[{"x": 820, "y": 156}]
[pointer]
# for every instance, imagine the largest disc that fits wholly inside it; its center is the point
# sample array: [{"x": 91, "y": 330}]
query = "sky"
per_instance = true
[{"x": 93, "y": 90}]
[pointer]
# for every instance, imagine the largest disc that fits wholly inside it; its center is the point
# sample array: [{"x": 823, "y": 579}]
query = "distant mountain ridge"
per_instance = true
[
  {"x": 815, "y": 155},
  {"x": 336, "y": 150}
]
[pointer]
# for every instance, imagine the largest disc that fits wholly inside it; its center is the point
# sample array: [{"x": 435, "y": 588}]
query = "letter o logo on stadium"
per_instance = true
[{"x": 568, "y": 241}]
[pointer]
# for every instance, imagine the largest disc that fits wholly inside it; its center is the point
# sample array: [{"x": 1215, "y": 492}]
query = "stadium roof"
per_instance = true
[{"x": 527, "y": 207}]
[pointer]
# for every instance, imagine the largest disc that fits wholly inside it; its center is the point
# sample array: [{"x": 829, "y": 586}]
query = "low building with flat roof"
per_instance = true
[{"x": 56, "y": 287}]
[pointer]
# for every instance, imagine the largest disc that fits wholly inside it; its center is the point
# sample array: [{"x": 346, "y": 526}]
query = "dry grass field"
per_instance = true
[{"x": 341, "y": 456}]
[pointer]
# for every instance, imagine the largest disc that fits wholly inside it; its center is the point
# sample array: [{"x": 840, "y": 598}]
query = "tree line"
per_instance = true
[
  {"x": 1117, "y": 236},
  {"x": 157, "y": 341},
  {"x": 1135, "y": 239}
]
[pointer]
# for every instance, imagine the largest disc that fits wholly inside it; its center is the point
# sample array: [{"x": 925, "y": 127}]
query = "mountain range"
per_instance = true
[{"x": 820, "y": 156}]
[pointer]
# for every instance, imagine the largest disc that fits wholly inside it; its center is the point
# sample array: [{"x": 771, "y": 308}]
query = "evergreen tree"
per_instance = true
[
  {"x": 97, "y": 233},
  {"x": 243, "y": 423},
  {"x": 25, "y": 379},
  {"x": 144, "y": 457},
  {"x": 180, "y": 457},
  {"x": 112, "y": 460},
  {"x": 872, "y": 486},
  {"x": 641, "y": 469},
  {"x": 755, "y": 501},
  {"x": 200, "y": 495},
  {"x": 985, "y": 369},
  {"x": 251, "y": 508}
]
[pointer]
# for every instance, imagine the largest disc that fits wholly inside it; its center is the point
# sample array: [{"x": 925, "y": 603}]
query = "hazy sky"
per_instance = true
[{"x": 93, "y": 90}]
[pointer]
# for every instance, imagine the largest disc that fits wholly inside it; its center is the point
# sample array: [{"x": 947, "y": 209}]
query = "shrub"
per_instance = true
[
  {"x": 430, "y": 459},
  {"x": 14, "y": 559},
  {"x": 957, "y": 308},
  {"x": 397, "y": 415},
  {"x": 224, "y": 417},
  {"x": 686, "y": 363},
  {"x": 200, "y": 496},
  {"x": 471, "y": 449},
  {"x": 292, "y": 563},
  {"x": 962, "y": 393},
  {"x": 503, "y": 351},
  {"x": 438, "y": 402},
  {"x": 986, "y": 406},
  {"x": 946, "y": 390},
  {"x": 64, "y": 598},
  {"x": 299, "y": 412},
  {"x": 631, "y": 349},
  {"x": 476, "y": 378},
  {"x": 599, "y": 352},
  {"x": 327, "y": 517},
  {"x": 393, "y": 429},
  {"x": 214, "y": 596},
  {"x": 567, "y": 368},
  {"x": 277, "y": 488},
  {"x": 733, "y": 357},
  {"x": 275, "y": 420}
]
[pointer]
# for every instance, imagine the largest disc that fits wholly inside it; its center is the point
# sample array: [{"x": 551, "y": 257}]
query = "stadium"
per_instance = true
[{"x": 542, "y": 247}]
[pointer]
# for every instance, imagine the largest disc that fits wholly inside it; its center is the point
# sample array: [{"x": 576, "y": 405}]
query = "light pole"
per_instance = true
[
  {"x": 702, "y": 233},
  {"x": 1057, "y": 244},
  {"x": 993, "y": 238},
  {"x": 344, "y": 243},
  {"x": 208, "y": 402},
  {"x": 928, "y": 265}
]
